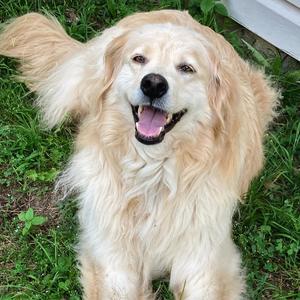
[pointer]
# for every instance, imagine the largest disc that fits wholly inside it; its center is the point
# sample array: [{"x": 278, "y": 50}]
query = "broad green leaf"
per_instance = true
[
  {"x": 207, "y": 5},
  {"x": 32, "y": 174},
  {"x": 64, "y": 285},
  {"x": 21, "y": 216},
  {"x": 24, "y": 231},
  {"x": 28, "y": 225},
  {"x": 29, "y": 214},
  {"x": 38, "y": 220},
  {"x": 221, "y": 9},
  {"x": 50, "y": 175}
]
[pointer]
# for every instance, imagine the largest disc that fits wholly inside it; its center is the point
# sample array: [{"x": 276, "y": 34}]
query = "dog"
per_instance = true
[{"x": 171, "y": 126}]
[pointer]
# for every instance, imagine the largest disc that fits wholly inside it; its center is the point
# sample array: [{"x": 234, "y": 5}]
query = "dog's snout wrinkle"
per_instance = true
[{"x": 154, "y": 86}]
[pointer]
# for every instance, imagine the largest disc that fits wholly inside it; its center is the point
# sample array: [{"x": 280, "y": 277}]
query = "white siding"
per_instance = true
[{"x": 277, "y": 21}]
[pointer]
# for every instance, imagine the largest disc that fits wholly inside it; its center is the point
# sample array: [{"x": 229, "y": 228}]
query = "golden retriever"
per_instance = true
[{"x": 170, "y": 136}]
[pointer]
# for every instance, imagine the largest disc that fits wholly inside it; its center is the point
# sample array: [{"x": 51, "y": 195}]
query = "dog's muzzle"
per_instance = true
[{"x": 152, "y": 121}]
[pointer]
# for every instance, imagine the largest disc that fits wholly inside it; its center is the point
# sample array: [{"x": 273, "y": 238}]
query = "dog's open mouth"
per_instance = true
[{"x": 151, "y": 124}]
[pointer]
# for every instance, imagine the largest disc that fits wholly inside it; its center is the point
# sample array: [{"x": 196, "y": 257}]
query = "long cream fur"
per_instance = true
[{"x": 149, "y": 211}]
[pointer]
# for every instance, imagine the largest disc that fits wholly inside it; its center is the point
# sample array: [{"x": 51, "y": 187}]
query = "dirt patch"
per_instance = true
[{"x": 13, "y": 201}]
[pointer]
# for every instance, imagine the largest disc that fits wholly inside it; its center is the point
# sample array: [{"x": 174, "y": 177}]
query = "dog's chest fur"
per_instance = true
[
  {"x": 148, "y": 204},
  {"x": 150, "y": 187}
]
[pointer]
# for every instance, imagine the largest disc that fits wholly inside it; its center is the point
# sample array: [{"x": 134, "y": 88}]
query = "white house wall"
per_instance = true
[{"x": 276, "y": 21}]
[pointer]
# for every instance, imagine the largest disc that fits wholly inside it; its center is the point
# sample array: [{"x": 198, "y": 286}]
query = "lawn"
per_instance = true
[{"x": 38, "y": 234}]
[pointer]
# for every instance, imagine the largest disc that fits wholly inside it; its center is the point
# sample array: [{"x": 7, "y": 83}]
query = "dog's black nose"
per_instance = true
[{"x": 154, "y": 85}]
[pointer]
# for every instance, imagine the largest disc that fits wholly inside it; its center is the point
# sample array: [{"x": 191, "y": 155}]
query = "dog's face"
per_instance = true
[{"x": 163, "y": 76}]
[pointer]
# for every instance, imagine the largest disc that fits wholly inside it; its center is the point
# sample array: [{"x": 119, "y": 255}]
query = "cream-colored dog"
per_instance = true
[{"x": 171, "y": 129}]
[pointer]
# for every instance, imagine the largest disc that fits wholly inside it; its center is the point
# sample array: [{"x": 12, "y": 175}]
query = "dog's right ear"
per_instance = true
[
  {"x": 39, "y": 42},
  {"x": 113, "y": 60},
  {"x": 45, "y": 53}
]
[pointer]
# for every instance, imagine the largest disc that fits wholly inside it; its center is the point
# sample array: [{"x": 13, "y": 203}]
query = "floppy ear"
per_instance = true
[
  {"x": 112, "y": 60},
  {"x": 265, "y": 99},
  {"x": 243, "y": 157},
  {"x": 49, "y": 62},
  {"x": 242, "y": 111},
  {"x": 40, "y": 43}
]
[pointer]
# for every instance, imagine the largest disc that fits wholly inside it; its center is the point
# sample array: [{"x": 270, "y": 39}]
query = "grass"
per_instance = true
[{"x": 40, "y": 264}]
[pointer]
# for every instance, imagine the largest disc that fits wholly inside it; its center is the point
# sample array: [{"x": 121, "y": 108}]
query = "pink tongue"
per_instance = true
[{"x": 150, "y": 121}]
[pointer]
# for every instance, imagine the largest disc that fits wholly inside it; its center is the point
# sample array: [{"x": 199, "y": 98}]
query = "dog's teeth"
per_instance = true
[
  {"x": 160, "y": 129},
  {"x": 137, "y": 125},
  {"x": 140, "y": 109},
  {"x": 169, "y": 118}
]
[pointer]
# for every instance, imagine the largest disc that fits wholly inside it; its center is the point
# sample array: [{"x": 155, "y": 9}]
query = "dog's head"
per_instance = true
[
  {"x": 162, "y": 73},
  {"x": 169, "y": 79}
]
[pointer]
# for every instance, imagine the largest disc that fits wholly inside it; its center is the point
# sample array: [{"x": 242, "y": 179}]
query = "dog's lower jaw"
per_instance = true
[{"x": 171, "y": 121}]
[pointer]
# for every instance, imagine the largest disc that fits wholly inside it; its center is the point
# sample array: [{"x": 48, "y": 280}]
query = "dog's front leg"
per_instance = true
[
  {"x": 111, "y": 277},
  {"x": 212, "y": 274}
]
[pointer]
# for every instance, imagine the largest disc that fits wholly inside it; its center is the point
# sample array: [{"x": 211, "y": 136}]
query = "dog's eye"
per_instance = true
[
  {"x": 186, "y": 68},
  {"x": 140, "y": 59}
]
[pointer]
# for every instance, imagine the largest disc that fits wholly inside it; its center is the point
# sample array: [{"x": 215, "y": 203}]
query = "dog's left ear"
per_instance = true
[{"x": 235, "y": 105}]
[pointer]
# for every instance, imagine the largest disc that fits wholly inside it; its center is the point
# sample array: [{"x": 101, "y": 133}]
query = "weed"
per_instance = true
[{"x": 30, "y": 220}]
